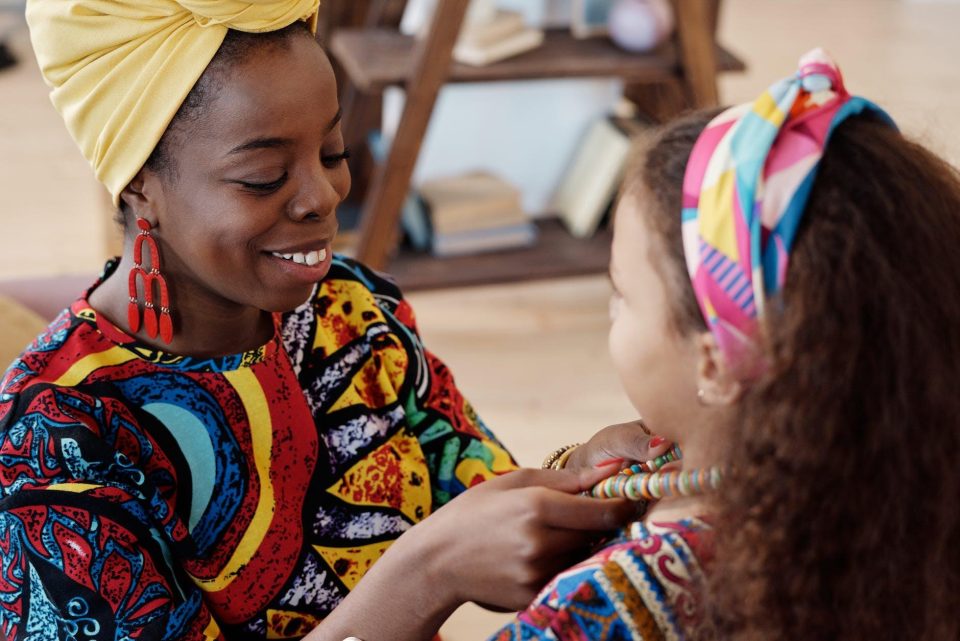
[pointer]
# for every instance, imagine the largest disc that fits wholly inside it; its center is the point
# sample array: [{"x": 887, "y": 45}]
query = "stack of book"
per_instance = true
[
  {"x": 504, "y": 35},
  {"x": 593, "y": 179},
  {"x": 475, "y": 213}
]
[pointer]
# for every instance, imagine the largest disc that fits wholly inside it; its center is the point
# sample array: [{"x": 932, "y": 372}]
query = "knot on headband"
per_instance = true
[
  {"x": 745, "y": 190},
  {"x": 119, "y": 71}
]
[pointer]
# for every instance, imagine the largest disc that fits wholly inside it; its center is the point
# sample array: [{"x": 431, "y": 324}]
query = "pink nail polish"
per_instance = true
[
  {"x": 608, "y": 462},
  {"x": 657, "y": 441}
]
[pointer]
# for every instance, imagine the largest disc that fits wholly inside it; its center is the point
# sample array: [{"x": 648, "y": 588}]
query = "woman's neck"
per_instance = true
[{"x": 204, "y": 325}]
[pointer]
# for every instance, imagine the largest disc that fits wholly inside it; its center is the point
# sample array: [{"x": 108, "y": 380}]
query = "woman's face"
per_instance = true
[
  {"x": 249, "y": 216},
  {"x": 656, "y": 366}
]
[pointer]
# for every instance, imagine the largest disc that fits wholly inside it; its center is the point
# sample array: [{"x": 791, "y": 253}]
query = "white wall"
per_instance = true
[{"x": 525, "y": 132}]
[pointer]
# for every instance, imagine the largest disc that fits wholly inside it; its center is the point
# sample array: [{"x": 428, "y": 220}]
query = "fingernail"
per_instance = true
[
  {"x": 657, "y": 441},
  {"x": 608, "y": 462}
]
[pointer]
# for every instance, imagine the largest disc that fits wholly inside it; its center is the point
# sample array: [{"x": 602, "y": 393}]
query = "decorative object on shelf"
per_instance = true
[
  {"x": 591, "y": 182},
  {"x": 590, "y": 18},
  {"x": 475, "y": 213},
  {"x": 503, "y": 35},
  {"x": 640, "y": 25}
]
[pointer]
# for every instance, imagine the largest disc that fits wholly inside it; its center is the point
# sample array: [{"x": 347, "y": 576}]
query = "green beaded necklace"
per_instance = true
[{"x": 644, "y": 481}]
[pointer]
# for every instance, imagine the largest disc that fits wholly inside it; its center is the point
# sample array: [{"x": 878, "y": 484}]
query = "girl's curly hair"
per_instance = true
[{"x": 842, "y": 520}]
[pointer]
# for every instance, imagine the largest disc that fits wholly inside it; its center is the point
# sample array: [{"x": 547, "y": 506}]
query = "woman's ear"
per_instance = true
[
  {"x": 141, "y": 196},
  {"x": 716, "y": 383}
]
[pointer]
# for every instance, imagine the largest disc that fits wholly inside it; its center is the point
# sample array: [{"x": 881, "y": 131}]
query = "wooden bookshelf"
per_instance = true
[
  {"x": 377, "y": 58},
  {"x": 679, "y": 75},
  {"x": 556, "y": 254}
]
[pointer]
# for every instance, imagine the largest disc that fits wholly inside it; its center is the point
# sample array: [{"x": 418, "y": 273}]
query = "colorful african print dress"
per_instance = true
[
  {"x": 149, "y": 496},
  {"x": 643, "y": 586}
]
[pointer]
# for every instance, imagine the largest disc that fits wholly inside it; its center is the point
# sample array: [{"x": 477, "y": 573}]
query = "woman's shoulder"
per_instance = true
[
  {"x": 645, "y": 584},
  {"x": 353, "y": 303},
  {"x": 347, "y": 270}
]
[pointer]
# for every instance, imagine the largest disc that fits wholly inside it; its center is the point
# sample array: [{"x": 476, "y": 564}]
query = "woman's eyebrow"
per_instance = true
[
  {"x": 336, "y": 119},
  {"x": 260, "y": 143}
]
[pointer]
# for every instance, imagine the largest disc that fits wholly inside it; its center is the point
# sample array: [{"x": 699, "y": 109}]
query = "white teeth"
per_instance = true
[{"x": 310, "y": 258}]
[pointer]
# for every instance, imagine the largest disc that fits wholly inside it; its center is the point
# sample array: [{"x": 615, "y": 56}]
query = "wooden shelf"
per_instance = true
[
  {"x": 556, "y": 254},
  {"x": 376, "y": 58}
]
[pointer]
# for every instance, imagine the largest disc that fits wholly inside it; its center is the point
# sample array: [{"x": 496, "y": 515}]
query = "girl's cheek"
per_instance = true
[{"x": 614, "y": 309}]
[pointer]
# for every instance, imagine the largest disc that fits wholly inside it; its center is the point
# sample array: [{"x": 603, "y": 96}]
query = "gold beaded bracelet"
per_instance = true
[{"x": 558, "y": 458}]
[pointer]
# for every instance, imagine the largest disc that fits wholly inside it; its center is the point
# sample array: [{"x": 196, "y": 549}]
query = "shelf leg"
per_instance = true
[
  {"x": 391, "y": 180},
  {"x": 696, "y": 32}
]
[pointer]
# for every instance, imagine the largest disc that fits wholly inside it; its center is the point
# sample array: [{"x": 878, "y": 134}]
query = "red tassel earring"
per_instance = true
[{"x": 150, "y": 278}]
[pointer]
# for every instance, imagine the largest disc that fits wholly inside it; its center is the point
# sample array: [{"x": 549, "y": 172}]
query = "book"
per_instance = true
[
  {"x": 418, "y": 14},
  {"x": 501, "y": 26},
  {"x": 513, "y": 45},
  {"x": 476, "y": 212},
  {"x": 593, "y": 178},
  {"x": 472, "y": 201},
  {"x": 485, "y": 240}
]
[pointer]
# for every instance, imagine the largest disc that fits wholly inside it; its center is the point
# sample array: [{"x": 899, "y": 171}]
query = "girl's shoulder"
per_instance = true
[{"x": 644, "y": 584}]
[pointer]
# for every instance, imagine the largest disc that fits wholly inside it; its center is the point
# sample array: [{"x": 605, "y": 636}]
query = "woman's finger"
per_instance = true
[
  {"x": 576, "y": 512},
  {"x": 569, "y": 481}
]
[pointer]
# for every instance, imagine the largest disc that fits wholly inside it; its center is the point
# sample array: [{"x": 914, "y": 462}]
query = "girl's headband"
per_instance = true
[{"x": 747, "y": 183}]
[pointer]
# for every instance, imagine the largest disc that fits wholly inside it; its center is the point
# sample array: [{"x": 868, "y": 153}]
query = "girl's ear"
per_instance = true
[{"x": 716, "y": 383}]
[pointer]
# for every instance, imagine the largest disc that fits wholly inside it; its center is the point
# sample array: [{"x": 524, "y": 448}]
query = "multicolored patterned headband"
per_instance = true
[{"x": 747, "y": 183}]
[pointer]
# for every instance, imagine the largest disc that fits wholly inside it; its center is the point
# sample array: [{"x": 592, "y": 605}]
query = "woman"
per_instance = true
[{"x": 221, "y": 437}]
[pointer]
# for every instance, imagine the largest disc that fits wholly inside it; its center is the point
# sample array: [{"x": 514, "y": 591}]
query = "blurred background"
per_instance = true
[{"x": 531, "y": 355}]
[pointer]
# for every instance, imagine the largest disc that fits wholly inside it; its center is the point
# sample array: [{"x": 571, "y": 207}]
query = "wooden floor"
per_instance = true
[{"x": 532, "y": 357}]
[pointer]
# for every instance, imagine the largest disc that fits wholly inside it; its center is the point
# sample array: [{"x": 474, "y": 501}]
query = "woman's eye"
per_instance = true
[
  {"x": 265, "y": 188},
  {"x": 333, "y": 161}
]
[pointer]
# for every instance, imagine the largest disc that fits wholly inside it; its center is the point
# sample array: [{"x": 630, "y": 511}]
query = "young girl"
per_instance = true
[{"x": 787, "y": 295}]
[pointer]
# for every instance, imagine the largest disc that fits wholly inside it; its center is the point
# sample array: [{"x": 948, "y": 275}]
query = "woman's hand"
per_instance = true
[
  {"x": 628, "y": 441},
  {"x": 497, "y": 544},
  {"x": 500, "y": 542}
]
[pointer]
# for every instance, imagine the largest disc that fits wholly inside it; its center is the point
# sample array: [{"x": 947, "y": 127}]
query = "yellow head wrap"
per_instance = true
[{"x": 120, "y": 70}]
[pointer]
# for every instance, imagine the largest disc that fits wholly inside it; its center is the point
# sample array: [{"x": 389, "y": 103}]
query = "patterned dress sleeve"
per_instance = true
[
  {"x": 460, "y": 451},
  {"x": 83, "y": 551},
  {"x": 642, "y": 588}
]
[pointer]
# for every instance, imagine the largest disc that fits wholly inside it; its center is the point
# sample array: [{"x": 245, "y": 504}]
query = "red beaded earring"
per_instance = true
[{"x": 150, "y": 278}]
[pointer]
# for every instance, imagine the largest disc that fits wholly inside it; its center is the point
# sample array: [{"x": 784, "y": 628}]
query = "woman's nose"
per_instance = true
[{"x": 317, "y": 197}]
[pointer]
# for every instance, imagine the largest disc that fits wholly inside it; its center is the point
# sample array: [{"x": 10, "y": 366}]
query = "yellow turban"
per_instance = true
[{"x": 120, "y": 69}]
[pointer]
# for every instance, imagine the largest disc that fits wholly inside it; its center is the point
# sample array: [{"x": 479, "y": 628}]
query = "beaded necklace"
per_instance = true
[{"x": 644, "y": 481}]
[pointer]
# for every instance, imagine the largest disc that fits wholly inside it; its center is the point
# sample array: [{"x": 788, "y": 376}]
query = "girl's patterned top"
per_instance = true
[
  {"x": 147, "y": 495},
  {"x": 643, "y": 586}
]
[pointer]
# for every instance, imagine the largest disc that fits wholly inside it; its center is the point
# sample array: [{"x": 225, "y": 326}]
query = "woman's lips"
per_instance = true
[{"x": 307, "y": 266}]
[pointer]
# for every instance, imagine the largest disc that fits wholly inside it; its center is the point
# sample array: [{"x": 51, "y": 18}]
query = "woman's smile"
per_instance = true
[{"x": 302, "y": 264}]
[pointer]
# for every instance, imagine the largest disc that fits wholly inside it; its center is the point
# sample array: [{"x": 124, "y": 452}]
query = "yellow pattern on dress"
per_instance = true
[
  {"x": 393, "y": 475},
  {"x": 352, "y": 563}
]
